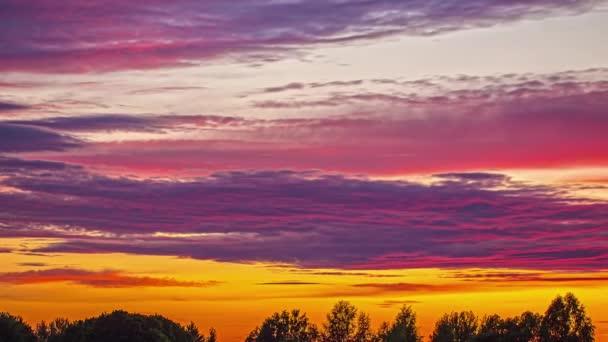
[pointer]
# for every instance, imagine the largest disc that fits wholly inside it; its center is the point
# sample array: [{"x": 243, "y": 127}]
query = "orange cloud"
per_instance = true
[{"x": 102, "y": 279}]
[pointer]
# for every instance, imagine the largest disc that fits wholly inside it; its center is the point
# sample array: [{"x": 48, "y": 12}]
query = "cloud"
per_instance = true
[
  {"x": 128, "y": 123},
  {"x": 19, "y": 138},
  {"x": 528, "y": 277},
  {"x": 346, "y": 274},
  {"x": 103, "y": 279},
  {"x": 23, "y": 167},
  {"x": 11, "y": 107},
  {"x": 73, "y": 37},
  {"x": 393, "y": 303},
  {"x": 33, "y": 264},
  {"x": 411, "y": 287},
  {"x": 294, "y": 282},
  {"x": 161, "y": 90},
  {"x": 511, "y": 122},
  {"x": 312, "y": 85},
  {"x": 310, "y": 219}
]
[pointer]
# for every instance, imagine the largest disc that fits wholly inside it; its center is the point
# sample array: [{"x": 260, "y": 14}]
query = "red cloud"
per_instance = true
[{"x": 106, "y": 279}]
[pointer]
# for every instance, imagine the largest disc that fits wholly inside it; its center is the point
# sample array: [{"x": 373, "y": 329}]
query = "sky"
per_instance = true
[{"x": 217, "y": 161}]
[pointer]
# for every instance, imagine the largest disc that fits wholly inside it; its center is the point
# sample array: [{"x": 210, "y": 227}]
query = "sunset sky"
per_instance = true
[{"x": 216, "y": 161}]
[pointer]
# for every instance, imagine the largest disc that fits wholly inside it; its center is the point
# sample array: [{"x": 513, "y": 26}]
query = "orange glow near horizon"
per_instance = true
[{"x": 244, "y": 294}]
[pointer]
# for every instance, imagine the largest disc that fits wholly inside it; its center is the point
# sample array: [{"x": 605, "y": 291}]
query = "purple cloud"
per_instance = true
[
  {"x": 11, "y": 107},
  {"x": 311, "y": 220},
  {"x": 71, "y": 36},
  {"x": 133, "y": 123},
  {"x": 512, "y": 122},
  {"x": 20, "y": 138}
]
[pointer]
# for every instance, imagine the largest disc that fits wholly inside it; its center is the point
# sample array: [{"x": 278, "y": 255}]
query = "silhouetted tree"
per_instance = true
[
  {"x": 14, "y": 329},
  {"x": 566, "y": 321},
  {"x": 455, "y": 327},
  {"x": 285, "y": 327},
  {"x": 491, "y": 329},
  {"x": 404, "y": 328},
  {"x": 340, "y": 323},
  {"x": 195, "y": 334},
  {"x": 121, "y": 326},
  {"x": 52, "y": 331},
  {"x": 383, "y": 331},
  {"x": 523, "y": 328},
  {"x": 42, "y": 332},
  {"x": 364, "y": 329},
  {"x": 212, "y": 336},
  {"x": 253, "y": 335}
]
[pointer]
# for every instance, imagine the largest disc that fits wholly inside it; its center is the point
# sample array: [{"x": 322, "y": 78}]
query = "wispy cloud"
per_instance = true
[
  {"x": 393, "y": 303},
  {"x": 103, "y": 279},
  {"x": 560, "y": 115},
  {"x": 290, "y": 283},
  {"x": 258, "y": 30}
]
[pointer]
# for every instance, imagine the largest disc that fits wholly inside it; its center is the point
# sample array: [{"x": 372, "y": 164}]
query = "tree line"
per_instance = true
[{"x": 565, "y": 320}]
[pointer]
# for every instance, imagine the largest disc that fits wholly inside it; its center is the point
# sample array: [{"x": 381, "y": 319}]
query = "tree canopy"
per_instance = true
[
  {"x": 286, "y": 326},
  {"x": 13, "y": 329},
  {"x": 565, "y": 320},
  {"x": 404, "y": 329},
  {"x": 455, "y": 327}
]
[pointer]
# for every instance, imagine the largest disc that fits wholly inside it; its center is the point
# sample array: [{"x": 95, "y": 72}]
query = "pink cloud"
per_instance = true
[
  {"x": 100, "y": 36},
  {"x": 497, "y": 126}
]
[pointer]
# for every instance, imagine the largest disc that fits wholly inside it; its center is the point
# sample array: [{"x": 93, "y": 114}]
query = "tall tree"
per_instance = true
[
  {"x": 212, "y": 335},
  {"x": 340, "y": 323},
  {"x": 383, "y": 332},
  {"x": 53, "y": 331},
  {"x": 286, "y": 326},
  {"x": 566, "y": 321},
  {"x": 491, "y": 329},
  {"x": 14, "y": 329},
  {"x": 455, "y": 327},
  {"x": 195, "y": 334},
  {"x": 42, "y": 332},
  {"x": 404, "y": 328},
  {"x": 364, "y": 329},
  {"x": 523, "y": 328}
]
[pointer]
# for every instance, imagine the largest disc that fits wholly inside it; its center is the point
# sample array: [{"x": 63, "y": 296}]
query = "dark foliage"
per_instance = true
[
  {"x": 13, "y": 329},
  {"x": 404, "y": 329},
  {"x": 120, "y": 326},
  {"x": 285, "y": 327},
  {"x": 564, "y": 321},
  {"x": 455, "y": 327}
]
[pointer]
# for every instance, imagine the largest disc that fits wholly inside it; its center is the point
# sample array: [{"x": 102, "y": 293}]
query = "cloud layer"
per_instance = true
[
  {"x": 464, "y": 123},
  {"x": 71, "y": 36},
  {"x": 308, "y": 219}
]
